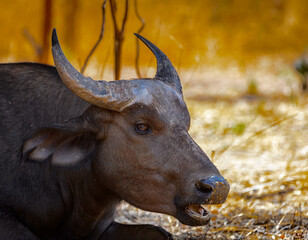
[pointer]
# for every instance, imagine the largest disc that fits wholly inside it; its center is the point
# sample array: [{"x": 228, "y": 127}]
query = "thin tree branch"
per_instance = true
[
  {"x": 43, "y": 58},
  {"x": 137, "y": 41},
  {"x": 37, "y": 48},
  {"x": 98, "y": 41},
  {"x": 118, "y": 37},
  {"x": 113, "y": 12},
  {"x": 125, "y": 17}
]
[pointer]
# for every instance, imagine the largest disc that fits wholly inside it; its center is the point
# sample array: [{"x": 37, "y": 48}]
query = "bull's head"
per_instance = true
[{"x": 143, "y": 152}]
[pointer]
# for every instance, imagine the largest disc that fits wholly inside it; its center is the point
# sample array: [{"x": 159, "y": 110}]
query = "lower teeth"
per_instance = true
[{"x": 198, "y": 211}]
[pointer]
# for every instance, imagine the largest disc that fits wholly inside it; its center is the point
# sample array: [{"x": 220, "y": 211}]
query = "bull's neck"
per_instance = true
[{"x": 92, "y": 206}]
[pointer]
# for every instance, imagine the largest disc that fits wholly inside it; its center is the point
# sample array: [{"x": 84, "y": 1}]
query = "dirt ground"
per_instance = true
[{"x": 254, "y": 127}]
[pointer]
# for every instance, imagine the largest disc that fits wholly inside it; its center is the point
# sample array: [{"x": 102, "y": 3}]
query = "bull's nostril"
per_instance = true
[
  {"x": 204, "y": 187},
  {"x": 216, "y": 188}
]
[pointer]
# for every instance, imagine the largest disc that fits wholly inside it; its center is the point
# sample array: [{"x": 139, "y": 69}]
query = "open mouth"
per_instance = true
[{"x": 198, "y": 212}]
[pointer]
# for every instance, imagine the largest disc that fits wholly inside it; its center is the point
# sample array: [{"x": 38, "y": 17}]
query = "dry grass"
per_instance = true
[{"x": 260, "y": 144}]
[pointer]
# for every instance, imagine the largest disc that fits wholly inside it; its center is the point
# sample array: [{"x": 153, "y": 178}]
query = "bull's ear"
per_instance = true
[{"x": 59, "y": 146}]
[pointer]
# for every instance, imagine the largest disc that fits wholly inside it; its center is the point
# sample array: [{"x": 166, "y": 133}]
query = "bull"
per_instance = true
[{"x": 72, "y": 148}]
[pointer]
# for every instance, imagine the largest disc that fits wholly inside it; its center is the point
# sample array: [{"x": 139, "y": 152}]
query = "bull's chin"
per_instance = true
[{"x": 194, "y": 215}]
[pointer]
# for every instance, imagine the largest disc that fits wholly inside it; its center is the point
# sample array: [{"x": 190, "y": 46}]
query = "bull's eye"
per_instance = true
[{"x": 142, "y": 128}]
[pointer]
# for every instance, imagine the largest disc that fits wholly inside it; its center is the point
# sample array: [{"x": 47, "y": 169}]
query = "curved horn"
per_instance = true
[
  {"x": 110, "y": 95},
  {"x": 165, "y": 70}
]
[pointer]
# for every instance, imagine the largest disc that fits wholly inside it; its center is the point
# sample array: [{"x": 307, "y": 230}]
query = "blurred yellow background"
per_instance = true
[{"x": 191, "y": 33}]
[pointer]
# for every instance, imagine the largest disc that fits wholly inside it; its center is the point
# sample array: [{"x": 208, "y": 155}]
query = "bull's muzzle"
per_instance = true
[
  {"x": 215, "y": 189},
  {"x": 211, "y": 190}
]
